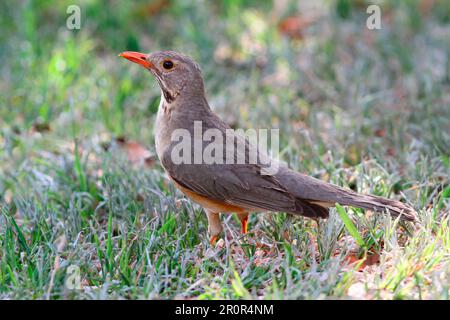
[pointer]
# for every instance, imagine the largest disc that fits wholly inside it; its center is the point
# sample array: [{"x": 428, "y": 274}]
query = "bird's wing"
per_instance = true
[{"x": 240, "y": 185}]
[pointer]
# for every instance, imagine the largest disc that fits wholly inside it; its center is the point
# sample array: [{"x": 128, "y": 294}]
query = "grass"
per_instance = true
[{"x": 368, "y": 110}]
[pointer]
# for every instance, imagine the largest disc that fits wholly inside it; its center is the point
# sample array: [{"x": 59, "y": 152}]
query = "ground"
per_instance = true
[{"x": 83, "y": 198}]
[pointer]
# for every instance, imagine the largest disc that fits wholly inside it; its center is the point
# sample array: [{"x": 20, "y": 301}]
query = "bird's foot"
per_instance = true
[{"x": 213, "y": 240}]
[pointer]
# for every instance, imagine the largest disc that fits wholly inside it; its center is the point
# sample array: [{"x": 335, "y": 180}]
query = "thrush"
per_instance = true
[{"x": 238, "y": 187}]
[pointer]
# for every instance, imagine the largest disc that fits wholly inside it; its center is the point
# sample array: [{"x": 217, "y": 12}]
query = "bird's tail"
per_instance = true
[
  {"x": 325, "y": 195},
  {"x": 379, "y": 204}
]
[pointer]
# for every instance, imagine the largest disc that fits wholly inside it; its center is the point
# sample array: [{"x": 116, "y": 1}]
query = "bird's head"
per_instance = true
[{"x": 176, "y": 73}]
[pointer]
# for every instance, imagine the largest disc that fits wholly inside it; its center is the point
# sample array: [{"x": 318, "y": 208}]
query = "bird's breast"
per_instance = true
[{"x": 162, "y": 131}]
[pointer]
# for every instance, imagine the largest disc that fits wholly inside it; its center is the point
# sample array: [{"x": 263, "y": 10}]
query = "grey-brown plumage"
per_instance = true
[
  {"x": 286, "y": 191},
  {"x": 236, "y": 187}
]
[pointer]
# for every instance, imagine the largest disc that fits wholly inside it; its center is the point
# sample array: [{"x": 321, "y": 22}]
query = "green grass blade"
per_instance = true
[{"x": 350, "y": 226}]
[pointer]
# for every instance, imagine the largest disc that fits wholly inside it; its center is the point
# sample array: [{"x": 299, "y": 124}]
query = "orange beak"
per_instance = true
[{"x": 137, "y": 57}]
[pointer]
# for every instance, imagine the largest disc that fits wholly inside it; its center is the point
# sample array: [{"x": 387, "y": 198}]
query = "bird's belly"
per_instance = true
[{"x": 210, "y": 204}]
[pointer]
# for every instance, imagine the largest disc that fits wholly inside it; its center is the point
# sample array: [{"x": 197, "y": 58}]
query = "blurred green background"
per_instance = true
[
  {"x": 367, "y": 109},
  {"x": 320, "y": 54}
]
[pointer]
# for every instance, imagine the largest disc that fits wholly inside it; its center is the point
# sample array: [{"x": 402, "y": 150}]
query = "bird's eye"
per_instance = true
[{"x": 167, "y": 64}]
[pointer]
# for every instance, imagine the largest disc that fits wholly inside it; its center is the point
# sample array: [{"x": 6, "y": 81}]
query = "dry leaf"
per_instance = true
[
  {"x": 380, "y": 132},
  {"x": 136, "y": 153},
  {"x": 369, "y": 260},
  {"x": 294, "y": 26},
  {"x": 40, "y": 127},
  {"x": 153, "y": 8},
  {"x": 391, "y": 152},
  {"x": 426, "y": 6}
]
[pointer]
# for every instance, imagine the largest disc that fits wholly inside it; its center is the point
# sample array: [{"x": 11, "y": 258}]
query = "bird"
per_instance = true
[{"x": 237, "y": 188}]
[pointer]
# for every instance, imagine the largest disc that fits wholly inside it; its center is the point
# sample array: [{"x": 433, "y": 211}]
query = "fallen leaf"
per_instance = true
[
  {"x": 294, "y": 26},
  {"x": 39, "y": 126},
  {"x": 426, "y": 6},
  {"x": 136, "y": 153},
  {"x": 362, "y": 263},
  {"x": 372, "y": 259},
  {"x": 391, "y": 152},
  {"x": 153, "y": 8},
  {"x": 286, "y": 236},
  {"x": 380, "y": 132}
]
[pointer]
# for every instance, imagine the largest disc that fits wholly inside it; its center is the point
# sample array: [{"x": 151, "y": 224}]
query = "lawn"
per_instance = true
[{"x": 86, "y": 211}]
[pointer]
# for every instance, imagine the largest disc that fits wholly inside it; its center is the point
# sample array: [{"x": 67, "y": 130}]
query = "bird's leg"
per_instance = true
[
  {"x": 214, "y": 225},
  {"x": 243, "y": 217}
]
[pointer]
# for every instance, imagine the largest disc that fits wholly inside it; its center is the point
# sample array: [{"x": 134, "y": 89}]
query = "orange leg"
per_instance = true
[
  {"x": 244, "y": 222},
  {"x": 214, "y": 226},
  {"x": 213, "y": 240}
]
